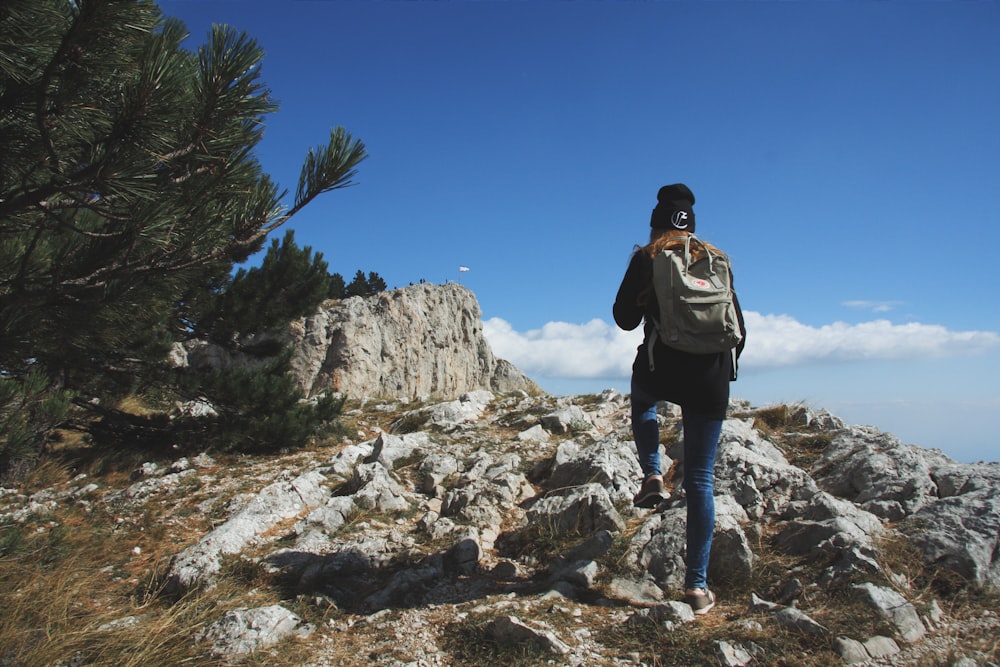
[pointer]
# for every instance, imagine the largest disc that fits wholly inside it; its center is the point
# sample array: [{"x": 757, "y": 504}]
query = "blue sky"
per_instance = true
[{"x": 846, "y": 155}]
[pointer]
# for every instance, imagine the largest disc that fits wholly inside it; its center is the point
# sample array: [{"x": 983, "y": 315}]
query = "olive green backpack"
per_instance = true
[{"x": 697, "y": 311}]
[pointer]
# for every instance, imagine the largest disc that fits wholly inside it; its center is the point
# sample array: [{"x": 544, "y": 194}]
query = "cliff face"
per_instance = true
[{"x": 415, "y": 342}]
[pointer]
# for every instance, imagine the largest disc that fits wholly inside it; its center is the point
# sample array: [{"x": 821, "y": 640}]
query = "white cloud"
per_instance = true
[
  {"x": 597, "y": 349},
  {"x": 874, "y": 306},
  {"x": 560, "y": 349},
  {"x": 781, "y": 340}
]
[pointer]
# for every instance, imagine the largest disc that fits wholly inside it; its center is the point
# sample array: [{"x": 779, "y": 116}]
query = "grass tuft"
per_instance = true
[{"x": 469, "y": 643}]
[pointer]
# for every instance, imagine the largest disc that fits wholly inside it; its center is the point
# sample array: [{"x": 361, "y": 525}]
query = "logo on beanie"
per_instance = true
[{"x": 679, "y": 219}]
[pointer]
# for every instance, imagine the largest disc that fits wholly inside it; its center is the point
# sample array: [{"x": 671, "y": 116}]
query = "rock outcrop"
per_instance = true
[
  {"x": 414, "y": 343},
  {"x": 419, "y": 341}
]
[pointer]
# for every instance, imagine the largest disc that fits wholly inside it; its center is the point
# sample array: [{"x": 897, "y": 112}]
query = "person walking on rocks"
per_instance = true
[{"x": 697, "y": 382}]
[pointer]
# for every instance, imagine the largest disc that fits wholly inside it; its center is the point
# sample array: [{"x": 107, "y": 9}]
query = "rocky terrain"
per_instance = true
[
  {"x": 450, "y": 532},
  {"x": 495, "y": 526}
]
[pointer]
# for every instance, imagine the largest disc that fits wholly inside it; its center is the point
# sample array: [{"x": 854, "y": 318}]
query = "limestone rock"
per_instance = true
[
  {"x": 731, "y": 655},
  {"x": 895, "y": 608},
  {"x": 796, "y": 619},
  {"x": 667, "y": 614},
  {"x": 418, "y": 341},
  {"x": 610, "y": 463},
  {"x": 953, "y": 509},
  {"x": 584, "y": 509},
  {"x": 200, "y": 563},
  {"x": 243, "y": 631},
  {"x": 508, "y": 629}
]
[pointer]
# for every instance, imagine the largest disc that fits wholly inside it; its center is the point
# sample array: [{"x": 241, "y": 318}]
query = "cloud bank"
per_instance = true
[{"x": 598, "y": 349}]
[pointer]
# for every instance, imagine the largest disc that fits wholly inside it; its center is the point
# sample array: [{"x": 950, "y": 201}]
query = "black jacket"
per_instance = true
[{"x": 698, "y": 382}]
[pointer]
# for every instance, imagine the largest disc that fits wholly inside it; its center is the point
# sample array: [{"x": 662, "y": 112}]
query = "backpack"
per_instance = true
[{"x": 697, "y": 313}]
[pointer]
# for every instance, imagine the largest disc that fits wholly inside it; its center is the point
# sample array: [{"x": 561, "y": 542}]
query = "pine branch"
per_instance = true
[{"x": 329, "y": 167}]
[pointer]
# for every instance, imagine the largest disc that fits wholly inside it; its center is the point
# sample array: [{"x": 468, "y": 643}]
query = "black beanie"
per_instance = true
[{"x": 674, "y": 209}]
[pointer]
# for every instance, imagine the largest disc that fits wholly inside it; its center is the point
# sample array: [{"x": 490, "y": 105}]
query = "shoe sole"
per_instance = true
[
  {"x": 701, "y": 610},
  {"x": 649, "y": 501}
]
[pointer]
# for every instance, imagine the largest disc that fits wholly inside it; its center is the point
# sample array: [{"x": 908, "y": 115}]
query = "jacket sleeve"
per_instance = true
[{"x": 628, "y": 310}]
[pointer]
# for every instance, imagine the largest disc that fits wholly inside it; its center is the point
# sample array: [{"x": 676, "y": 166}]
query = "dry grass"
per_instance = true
[
  {"x": 785, "y": 426},
  {"x": 61, "y": 587},
  {"x": 82, "y": 585},
  {"x": 81, "y": 594},
  {"x": 774, "y": 418},
  {"x": 468, "y": 642},
  {"x": 695, "y": 644},
  {"x": 539, "y": 542}
]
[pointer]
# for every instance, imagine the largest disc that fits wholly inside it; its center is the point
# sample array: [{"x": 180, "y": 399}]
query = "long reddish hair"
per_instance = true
[{"x": 661, "y": 239}]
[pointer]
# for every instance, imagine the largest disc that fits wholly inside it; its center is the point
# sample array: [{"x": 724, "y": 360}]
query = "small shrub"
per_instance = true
[
  {"x": 538, "y": 542},
  {"x": 410, "y": 422},
  {"x": 12, "y": 540},
  {"x": 804, "y": 451},
  {"x": 614, "y": 561},
  {"x": 30, "y": 407},
  {"x": 773, "y": 418},
  {"x": 469, "y": 643},
  {"x": 243, "y": 572}
]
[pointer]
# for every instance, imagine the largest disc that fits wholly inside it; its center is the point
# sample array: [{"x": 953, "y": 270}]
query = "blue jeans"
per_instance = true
[{"x": 701, "y": 441}]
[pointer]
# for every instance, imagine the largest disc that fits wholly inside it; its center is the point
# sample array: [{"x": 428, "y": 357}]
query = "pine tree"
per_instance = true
[
  {"x": 375, "y": 283},
  {"x": 338, "y": 288},
  {"x": 28, "y": 410},
  {"x": 259, "y": 409},
  {"x": 365, "y": 286},
  {"x": 129, "y": 189},
  {"x": 258, "y": 406},
  {"x": 289, "y": 283},
  {"x": 358, "y": 285}
]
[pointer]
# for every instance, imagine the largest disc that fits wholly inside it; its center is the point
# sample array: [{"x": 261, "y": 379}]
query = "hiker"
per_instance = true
[{"x": 698, "y": 383}]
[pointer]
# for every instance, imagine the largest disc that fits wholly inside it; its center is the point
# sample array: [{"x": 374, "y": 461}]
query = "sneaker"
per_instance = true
[
  {"x": 701, "y": 600},
  {"x": 650, "y": 493}
]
